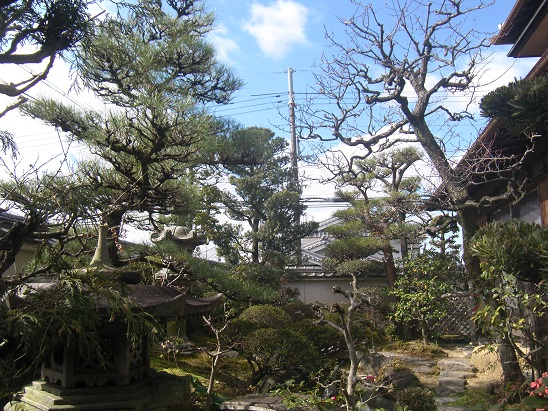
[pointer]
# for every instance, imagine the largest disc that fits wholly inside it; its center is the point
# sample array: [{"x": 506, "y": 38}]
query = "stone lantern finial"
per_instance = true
[{"x": 100, "y": 258}]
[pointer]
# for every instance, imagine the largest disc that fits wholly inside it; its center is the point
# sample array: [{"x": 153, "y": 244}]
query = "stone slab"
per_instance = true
[
  {"x": 455, "y": 364},
  {"x": 463, "y": 375}
]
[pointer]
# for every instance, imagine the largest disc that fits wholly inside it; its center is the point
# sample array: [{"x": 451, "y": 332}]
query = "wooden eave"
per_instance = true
[
  {"x": 492, "y": 135},
  {"x": 526, "y": 28}
]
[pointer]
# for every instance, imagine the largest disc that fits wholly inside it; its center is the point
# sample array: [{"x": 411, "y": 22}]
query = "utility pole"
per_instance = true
[
  {"x": 294, "y": 144},
  {"x": 294, "y": 154}
]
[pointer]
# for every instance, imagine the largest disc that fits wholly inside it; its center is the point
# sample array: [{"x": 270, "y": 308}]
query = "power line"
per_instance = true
[{"x": 238, "y": 108}]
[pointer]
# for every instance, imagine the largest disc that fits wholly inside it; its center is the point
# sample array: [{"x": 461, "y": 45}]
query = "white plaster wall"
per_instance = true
[
  {"x": 24, "y": 255},
  {"x": 319, "y": 289}
]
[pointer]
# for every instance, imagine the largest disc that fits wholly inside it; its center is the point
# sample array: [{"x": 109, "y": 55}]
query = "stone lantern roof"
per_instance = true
[{"x": 162, "y": 302}]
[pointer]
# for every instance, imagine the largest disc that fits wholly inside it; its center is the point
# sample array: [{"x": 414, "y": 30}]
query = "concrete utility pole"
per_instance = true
[
  {"x": 294, "y": 153},
  {"x": 294, "y": 144}
]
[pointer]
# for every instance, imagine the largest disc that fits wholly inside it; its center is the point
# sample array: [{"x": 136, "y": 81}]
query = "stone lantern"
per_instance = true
[{"x": 122, "y": 378}]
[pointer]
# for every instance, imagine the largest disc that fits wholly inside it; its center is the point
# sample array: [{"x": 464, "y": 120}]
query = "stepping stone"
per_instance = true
[
  {"x": 423, "y": 369},
  {"x": 455, "y": 364},
  {"x": 448, "y": 386},
  {"x": 464, "y": 375},
  {"x": 452, "y": 382}
]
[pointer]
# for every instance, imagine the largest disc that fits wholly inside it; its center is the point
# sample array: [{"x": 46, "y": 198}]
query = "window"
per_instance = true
[{"x": 527, "y": 209}]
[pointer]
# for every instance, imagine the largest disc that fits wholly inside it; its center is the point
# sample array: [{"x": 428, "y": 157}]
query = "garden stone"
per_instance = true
[
  {"x": 331, "y": 390},
  {"x": 402, "y": 379},
  {"x": 382, "y": 402},
  {"x": 455, "y": 364},
  {"x": 424, "y": 369},
  {"x": 462, "y": 375},
  {"x": 371, "y": 363},
  {"x": 454, "y": 373},
  {"x": 274, "y": 380},
  {"x": 448, "y": 386},
  {"x": 485, "y": 359}
]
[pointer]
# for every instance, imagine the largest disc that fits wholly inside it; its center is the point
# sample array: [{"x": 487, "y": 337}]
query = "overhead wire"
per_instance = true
[{"x": 239, "y": 107}]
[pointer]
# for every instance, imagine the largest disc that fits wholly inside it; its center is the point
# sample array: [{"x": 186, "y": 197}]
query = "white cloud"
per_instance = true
[
  {"x": 41, "y": 146},
  {"x": 278, "y": 27},
  {"x": 223, "y": 45},
  {"x": 499, "y": 69}
]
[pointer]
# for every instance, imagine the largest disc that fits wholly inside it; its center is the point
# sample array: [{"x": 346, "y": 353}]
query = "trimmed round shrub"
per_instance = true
[
  {"x": 266, "y": 316},
  {"x": 299, "y": 311},
  {"x": 274, "y": 349},
  {"x": 416, "y": 399}
]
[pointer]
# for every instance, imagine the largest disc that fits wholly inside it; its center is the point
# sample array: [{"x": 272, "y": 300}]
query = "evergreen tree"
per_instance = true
[
  {"x": 157, "y": 75},
  {"x": 262, "y": 200},
  {"x": 382, "y": 200}
]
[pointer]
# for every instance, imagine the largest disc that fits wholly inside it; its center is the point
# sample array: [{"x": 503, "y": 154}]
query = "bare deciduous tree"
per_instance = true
[
  {"x": 389, "y": 81},
  {"x": 357, "y": 298}
]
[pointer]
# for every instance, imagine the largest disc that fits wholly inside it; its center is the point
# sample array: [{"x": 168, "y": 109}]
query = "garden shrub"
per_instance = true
[
  {"x": 273, "y": 341},
  {"x": 416, "y": 399},
  {"x": 299, "y": 311},
  {"x": 254, "y": 318},
  {"x": 269, "y": 349},
  {"x": 266, "y": 316},
  {"x": 325, "y": 338}
]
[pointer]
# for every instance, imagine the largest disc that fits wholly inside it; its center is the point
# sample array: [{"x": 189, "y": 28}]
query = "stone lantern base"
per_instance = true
[{"x": 161, "y": 392}]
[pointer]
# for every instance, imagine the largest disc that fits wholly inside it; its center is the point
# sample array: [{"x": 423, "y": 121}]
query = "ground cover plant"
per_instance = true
[
  {"x": 232, "y": 376},
  {"x": 316, "y": 391}
]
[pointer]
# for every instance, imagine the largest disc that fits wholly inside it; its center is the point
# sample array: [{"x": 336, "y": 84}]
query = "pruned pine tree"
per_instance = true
[
  {"x": 34, "y": 32},
  {"x": 520, "y": 107},
  {"x": 157, "y": 75},
  {"x": 264, "y": 210},
  {"x": 382, "y": 200}
]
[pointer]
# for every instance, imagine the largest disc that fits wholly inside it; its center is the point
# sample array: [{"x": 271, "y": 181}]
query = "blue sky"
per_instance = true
[{"x": 259, "y": 40}]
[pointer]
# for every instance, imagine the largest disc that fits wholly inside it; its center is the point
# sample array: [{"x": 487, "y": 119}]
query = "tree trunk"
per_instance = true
[
  {"x": 352, "y": 379},
  {"x": 424, "y": 331},
  {"x": 511, "y": 370},
  {"x": 388, "y": 256},
  {"x": 255, "y": 240},
  {"x": 211, "y": 383},
  {"x": 533, "y": 334},
  {"x": 113, "y": 220},
  {"x": 12, "y": 240}
]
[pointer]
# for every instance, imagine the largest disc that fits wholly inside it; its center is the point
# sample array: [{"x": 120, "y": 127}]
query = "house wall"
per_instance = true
[
  {"x": 319, "y": 289},
  {"x": 24, "y": 255}
]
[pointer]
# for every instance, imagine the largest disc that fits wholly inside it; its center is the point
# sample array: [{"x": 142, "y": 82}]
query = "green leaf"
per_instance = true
[{"x": 535, "y": 401}]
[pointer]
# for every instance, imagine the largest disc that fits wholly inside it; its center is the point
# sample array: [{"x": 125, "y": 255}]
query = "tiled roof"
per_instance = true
[
  {"x": 317, "y": 272},
  {"x": 7, "y": 220}
]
